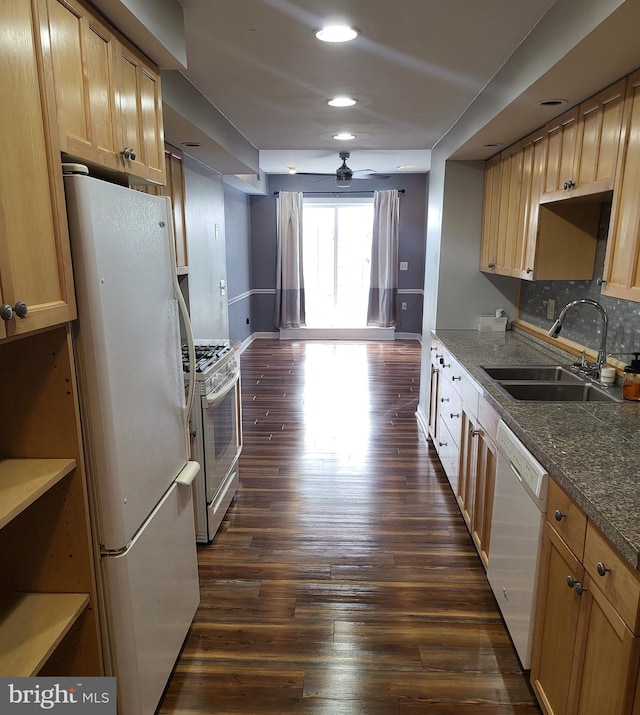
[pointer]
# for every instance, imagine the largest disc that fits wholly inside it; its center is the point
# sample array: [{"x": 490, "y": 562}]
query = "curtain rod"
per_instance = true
[{"x": 337, "y": 193}]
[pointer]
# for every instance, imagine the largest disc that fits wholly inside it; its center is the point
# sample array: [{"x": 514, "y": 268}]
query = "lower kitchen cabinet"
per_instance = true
[{"x": 585, "y": 656}]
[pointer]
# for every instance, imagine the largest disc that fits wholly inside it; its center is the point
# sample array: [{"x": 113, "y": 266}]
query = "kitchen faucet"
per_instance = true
[{"x": 601, "y": 358}]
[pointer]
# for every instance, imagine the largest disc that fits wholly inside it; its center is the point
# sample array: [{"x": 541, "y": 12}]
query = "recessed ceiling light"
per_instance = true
[
  {"x": 341, "y": 102},
  {"x": 336, "y": 33},
  {"x": 344, "y": 136},
  {"x": 551, "y": 102}
]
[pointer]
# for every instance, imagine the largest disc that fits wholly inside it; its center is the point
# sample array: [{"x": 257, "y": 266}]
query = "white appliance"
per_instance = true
[
  {"x": 519, "y": 507},
  {"x": 217, "y": 433},
  {"x": 135, "y": 431}
]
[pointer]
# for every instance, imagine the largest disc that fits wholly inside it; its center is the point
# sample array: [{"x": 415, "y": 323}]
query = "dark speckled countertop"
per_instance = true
[{"x": 592, "y": 449}]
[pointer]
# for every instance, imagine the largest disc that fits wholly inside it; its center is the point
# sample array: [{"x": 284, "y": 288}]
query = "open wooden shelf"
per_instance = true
[
  {"x": 22, "y": 481},
  {"x": 32, "y": 625}
]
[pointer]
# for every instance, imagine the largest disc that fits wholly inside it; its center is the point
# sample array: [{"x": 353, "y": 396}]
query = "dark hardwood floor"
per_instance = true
[{"x": 343, "y": 580}]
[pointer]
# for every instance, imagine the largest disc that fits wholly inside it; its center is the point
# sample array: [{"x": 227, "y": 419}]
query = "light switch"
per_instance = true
[{"x": 404, "y": 265}]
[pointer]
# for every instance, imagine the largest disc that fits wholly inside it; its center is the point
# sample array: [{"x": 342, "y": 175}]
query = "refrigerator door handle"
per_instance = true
[
  {"x": 188, "y": 474},
  {"x": 187, "y": 323}
]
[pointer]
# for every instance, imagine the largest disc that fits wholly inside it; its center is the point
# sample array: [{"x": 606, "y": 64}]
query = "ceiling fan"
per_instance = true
[{"x": 344, "y": 174}]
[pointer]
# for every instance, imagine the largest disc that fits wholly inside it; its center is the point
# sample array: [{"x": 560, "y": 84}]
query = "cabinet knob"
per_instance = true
[
  {"x": 6, "y": 312},
  {"x": 558, "y": 515},
  {"x": 569, "y": 184},
  {"x": 571, "y": 582},
  {"x": 454, "y": 415},
  {"x": 602, "y": 569},
  {"x": 454, "y": 378},
  {"x": 442, "y": 444},
  {"x": 442, "y": 399},
  {"x": 129, "y": 153},
  {"x": 474, "y": 432},
  {"x": 529, "y": 270},
  {"x": 21, "y": 309},
  {"x": 491, "y": 265},
  {"x": 580, "y": 589}
]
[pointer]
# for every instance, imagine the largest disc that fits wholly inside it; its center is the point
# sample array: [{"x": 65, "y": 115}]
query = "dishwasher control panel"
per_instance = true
[{"x": 528, "y": 470}]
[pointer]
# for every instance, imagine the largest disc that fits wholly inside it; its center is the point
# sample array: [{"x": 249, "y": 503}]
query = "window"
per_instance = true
[{"x": 337, "y": 261}]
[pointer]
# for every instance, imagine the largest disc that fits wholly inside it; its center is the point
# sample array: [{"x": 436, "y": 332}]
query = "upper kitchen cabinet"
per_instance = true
[
  {"x": 107, "y": 94},
  {"x": 36, "y": 285},
  {"x": 524, "y": 239},
  {"x": 582, "y": 147},
  {"x": 622, "y": 262},
  {"x": 140, "y": 116},
  {"x": 82, "y": 53}
]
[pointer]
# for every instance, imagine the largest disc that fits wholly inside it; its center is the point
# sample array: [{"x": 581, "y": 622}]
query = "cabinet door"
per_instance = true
[
  {"x": 175, "y": 189},
  {"x": 35, "y": 263},
  {"x": 490, "y": 213},
  {"x": 483, "y": 489},
  {"x": 510, "y": 219},
  {"x": 82, "y": 57},
  {"x": 622, "y": 262},
  {"x": 607, "y": 661},
  {"x": 555, "y": 636},
  {"x": 599, "y": 125},
  {"x": 140, "y": 116},
  {"x": 534, "y": 156},
  {"x": 434, "y": 403},
  {"x": 562, "y": 136},
  {"x": 468, "y": 464}
]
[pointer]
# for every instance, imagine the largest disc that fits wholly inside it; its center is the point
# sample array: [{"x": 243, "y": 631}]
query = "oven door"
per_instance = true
[{"x": 221, "y": 430}]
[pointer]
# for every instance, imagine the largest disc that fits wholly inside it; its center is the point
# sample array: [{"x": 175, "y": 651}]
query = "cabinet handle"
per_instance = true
[
  {"x": 491, "y": 265},
  {"x": 454, "y": 378},
  {"x": 6, "y": 312},
  {"x": 442, "y": 444},
  {"x": 455, "y": 414},
  {"x": 21, "y": 309},
  {"x": 474, "y": 432},
  {"x": 443, "y": 365},
  {"x": 580, "y": 589},
  {"x": 558, "y": 515},
  {"x": 602, "y": 569},
  {"x": 442, "y": 399},
  {"x": 529, "y": 270},
  {"x": 571, "y": 582},
  {"x": 569, "y": 184}
]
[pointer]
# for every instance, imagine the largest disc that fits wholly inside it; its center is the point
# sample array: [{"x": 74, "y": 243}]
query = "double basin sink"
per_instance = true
[{"x": 549, "y": 383}]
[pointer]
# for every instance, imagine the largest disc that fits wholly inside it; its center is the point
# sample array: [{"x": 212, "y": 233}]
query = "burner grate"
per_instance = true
[{"x": 206, "y": 356}]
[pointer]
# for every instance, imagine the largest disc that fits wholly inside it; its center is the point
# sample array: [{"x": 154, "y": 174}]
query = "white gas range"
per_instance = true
[{"x": 216, "y": 430}]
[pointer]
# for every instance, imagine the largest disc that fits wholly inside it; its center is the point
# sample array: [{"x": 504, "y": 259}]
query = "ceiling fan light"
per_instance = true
[
  {"x": 344, "y": 136},
  {"x": 292, "y": 170},
  {"x": 336, "y": 33},
  {"x": 343, "y": 181},
  {"x": 341, "y": 102}
]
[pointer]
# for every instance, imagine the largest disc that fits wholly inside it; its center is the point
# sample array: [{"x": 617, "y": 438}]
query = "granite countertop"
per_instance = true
[{"x": 591, "y": 449}]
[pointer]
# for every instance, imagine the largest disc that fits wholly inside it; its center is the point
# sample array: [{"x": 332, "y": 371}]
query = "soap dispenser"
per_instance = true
[{"x": 631, "y": 379}]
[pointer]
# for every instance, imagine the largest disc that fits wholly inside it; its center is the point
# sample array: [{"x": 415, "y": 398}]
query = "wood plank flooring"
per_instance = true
[{"x": 343, "y": 580}]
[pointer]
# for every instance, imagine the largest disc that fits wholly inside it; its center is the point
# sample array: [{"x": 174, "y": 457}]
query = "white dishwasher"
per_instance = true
[{"x": 519, "y": 507}]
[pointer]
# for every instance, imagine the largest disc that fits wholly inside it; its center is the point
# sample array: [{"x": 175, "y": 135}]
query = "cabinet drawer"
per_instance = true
[
  {"x": 452, "y": 371},
  {"x": 488, "y": 418},
  {"x": 449, "y": 454},
  {"x": 567, "y": 519},
  {"x": 616, "y": 579},
  {"x": 451, "y": 409},
  {"x": 470, "y": 396}
]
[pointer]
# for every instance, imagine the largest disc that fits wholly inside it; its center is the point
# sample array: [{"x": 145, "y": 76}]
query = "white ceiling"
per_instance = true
[{"x": 414, "y": 69}]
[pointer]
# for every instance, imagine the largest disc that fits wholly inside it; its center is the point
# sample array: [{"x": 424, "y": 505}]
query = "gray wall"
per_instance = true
[
  {"x": 238, "y": 240},
  {"x": 411, "y": 243}
]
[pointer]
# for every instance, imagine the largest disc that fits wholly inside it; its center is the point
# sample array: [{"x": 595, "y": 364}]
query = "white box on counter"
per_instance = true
[{"x": 492, "y": 323}]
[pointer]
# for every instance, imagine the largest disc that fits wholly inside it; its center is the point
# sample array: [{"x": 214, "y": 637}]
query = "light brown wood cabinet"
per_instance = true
[
  {"x": 48, "y": 613},
  {"x": 585, "y": 655},
  {"x": 35, "y": 261},
  {"x": 525, "y": 239},
  {"x": 107, "y": 94},
  {"x": 582, "y": 147},
  {"x": 622, "y": 262}
]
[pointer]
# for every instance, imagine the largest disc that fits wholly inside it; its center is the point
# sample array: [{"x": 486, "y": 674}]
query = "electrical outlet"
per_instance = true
[
  {"x": 404, "y": 265},
  {"x": 403, "y": 305},
  {"x": 551, "y": 309}
]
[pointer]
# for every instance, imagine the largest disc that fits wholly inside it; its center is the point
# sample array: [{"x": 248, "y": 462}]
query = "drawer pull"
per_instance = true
[
  {"x": 580, "y": 589},
  {"x": 456, "y": 378},
  {"x": 444, "y": 399},
  {"x": 442, "y": 444},
  {"x": 474, "y": 432},
  {"x": 571, "y": 582},
  {"x": 602, "y": 569},
  {"x": 454, "y": 414},
  {"x": 558, "y": 515}
]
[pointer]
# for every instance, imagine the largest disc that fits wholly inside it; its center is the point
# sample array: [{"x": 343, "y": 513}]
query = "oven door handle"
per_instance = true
[{"x": 220, "y": 391}]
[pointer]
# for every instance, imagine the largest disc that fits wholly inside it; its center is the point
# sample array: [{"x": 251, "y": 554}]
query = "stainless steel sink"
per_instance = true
[
  {"x": 533, "y": 373},
  {"x": 558, "y": 392}
]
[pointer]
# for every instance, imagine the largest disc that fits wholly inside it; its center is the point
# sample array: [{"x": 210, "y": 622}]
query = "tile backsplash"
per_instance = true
[{"x": 582, "y": 324}]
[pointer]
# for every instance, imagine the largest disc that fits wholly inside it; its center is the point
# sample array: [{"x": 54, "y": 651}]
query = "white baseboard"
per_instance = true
[{"x": 337, "y": 334}]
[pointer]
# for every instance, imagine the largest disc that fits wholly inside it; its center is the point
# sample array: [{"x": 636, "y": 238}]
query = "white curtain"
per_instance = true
[
  {"x": 289, "y": 308},
  {"x": 383, "y": 292}
]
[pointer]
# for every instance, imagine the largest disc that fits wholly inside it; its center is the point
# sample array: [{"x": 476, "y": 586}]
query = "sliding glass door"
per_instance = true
[{"x": 337, "y": 261}]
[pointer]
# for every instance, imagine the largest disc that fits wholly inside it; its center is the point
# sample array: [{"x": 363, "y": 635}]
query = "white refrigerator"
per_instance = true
[{"x": 135, "y": 433}]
